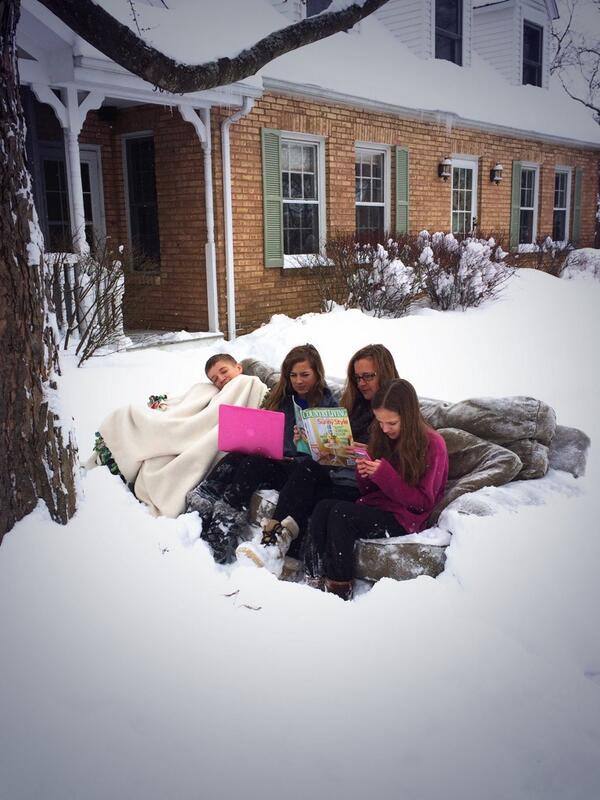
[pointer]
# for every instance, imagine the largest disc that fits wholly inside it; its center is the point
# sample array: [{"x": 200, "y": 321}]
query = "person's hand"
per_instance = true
[
  {"x": 366, "y": 468},
  {"x": 297, "y": 435}
]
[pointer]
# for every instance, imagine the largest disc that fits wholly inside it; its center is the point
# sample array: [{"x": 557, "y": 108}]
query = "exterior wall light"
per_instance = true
[
  {"x": 444, "y": 168},
  {"x": 496, "y": 174}
]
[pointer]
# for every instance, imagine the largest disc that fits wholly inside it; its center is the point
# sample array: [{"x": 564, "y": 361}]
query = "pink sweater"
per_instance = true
[{"x": 411, "y": 505}]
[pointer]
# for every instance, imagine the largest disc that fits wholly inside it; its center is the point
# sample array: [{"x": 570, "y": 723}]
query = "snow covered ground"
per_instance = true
[{"x": 133, "y": 667}]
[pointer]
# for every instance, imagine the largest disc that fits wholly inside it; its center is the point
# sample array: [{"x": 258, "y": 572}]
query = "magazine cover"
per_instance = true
[{"x": 326, "y": 435}]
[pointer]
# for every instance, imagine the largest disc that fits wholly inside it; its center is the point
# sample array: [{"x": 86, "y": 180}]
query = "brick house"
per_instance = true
[{"x": 451, "y": 122}]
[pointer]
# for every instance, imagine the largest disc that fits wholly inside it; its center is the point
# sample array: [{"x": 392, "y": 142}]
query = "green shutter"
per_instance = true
[
  {"x": 515, "y": 204},
  {"x": 401, "y": 190},
  {"x": 272, "y": 205},
  {"x": 576, "y": 228}
]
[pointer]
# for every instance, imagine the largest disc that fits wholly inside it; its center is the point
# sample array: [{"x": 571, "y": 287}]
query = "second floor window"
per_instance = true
[
  {"x": 448, "y": 30},
  {"x": 533, "y": 38}
]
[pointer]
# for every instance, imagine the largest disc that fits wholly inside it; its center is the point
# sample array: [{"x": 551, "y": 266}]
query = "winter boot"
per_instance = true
[
  {"x": 269, "y": 551},
  {"x": 342, "y": 589},
  {"x": 202, "y": 500},
  {"x": 223, "y": 531},
  {"x": 317, "y": 582}
]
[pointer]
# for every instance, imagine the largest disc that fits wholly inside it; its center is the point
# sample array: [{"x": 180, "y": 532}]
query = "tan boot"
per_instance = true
[
  {"x": 269, "y": 552},
  {"x": 343, "y": 589}
]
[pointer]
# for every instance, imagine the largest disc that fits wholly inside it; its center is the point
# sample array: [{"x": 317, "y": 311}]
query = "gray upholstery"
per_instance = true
[{"x": 490, "y": 441}]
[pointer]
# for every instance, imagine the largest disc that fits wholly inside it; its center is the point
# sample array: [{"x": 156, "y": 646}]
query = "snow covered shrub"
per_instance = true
[
  {"x": 544, "y": 254},
  {"x": 460, "y": 273},
  {"x": 371, "y": 277}
]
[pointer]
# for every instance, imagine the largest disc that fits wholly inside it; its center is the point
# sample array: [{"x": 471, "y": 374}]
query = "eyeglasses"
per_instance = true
[{"x": 366, "y": 377}]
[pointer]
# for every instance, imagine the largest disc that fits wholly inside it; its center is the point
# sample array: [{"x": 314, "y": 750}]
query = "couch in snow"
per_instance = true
[{"x": 491, "y": 441}]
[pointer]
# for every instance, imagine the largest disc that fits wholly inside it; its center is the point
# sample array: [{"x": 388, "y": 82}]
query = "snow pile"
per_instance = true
[
  {"x": 132, "y": 666},
  {"x": 583, "y": 263}
]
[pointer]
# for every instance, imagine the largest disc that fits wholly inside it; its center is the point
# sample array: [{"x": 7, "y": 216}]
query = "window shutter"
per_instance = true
[
  {"x": 401, "y": 190},
  {"x": 515, "y": 204},
  {"x": 577, "y": 206},
  {"x": 272, "y": 205}
]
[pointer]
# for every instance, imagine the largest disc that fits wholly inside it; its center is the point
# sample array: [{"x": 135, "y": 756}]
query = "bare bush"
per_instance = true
[
  {"x": 88, "y": 295},
  {"x": 544, "y": 254}
]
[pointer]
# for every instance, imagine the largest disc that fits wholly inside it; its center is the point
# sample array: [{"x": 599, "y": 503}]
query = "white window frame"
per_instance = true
[
  {"x": 525, "y": 247},
  {"x": 90, "y": 154},
  {"x": 383, "y": 149},
  {"x": 568, "y": 171},
  {"x": 299, "y": 260},
  {"x": 466, "y": 162}
]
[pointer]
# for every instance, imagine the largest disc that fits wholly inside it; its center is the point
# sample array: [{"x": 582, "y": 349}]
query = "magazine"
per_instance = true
[{"x": 326, "y": 435}]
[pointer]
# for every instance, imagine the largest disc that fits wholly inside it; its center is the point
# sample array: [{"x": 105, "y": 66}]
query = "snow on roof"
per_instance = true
[{"x": 369, "y": 63}]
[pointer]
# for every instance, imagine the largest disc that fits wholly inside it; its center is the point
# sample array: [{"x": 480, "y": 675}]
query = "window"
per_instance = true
[
  {"x": 56, "y": 193},
  {"x": 528, "y": 205},
  {"x": 464, "y": 196},
  {"x": 316, "y": 6},
  {"x": 141, "y": 199},
  {"x": 533, "y": 36},
  {"x": 560, "y": 216},
  {"x": 300, "y": 176},
  {"x": 371, "y": 191},
  {"x": 448, "y": 30}
]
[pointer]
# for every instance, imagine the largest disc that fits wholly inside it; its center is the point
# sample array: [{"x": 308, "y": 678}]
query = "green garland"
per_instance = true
[{"x": 105, "y": 457}]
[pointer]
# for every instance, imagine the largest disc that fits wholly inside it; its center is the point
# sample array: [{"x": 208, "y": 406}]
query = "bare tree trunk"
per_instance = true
[{"x": 37, "y": 458}]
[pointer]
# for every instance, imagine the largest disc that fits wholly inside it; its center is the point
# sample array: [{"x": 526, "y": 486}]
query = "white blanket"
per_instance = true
[{"x": 165, "y": 453}]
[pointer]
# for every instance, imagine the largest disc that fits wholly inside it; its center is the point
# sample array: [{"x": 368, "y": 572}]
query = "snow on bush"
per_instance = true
[{"x": 583, "y": 262}]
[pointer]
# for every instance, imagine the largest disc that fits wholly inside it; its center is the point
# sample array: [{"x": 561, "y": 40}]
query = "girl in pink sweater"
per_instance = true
[{"x": 400, "y": 482}]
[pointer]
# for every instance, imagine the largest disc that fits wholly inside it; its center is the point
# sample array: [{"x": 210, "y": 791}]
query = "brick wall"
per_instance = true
[
  {"x": 173, "y": 297},
  {"x": 176, "y": 296},
  {"x": 290, "y": 291}
]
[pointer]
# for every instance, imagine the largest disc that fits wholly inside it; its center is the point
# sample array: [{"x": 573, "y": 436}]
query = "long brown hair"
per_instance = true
[
  {"x": 407, "y": 453},
  {"x": 283, "y": 389},
  {"x": 384, "y": 366}
]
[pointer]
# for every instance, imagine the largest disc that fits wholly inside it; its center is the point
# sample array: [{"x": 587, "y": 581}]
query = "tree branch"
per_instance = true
[{"x": 120, "y": 44}]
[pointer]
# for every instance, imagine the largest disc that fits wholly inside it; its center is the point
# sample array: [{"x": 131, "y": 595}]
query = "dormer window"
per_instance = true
[
  {"x": 314, "y": 7},
  {"x": 448, "y": 30},
  {"x": 533, "y": 39}
]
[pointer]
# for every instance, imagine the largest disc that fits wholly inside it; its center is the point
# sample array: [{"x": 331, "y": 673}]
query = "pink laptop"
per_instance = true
[{"x": 251, "y": 430}]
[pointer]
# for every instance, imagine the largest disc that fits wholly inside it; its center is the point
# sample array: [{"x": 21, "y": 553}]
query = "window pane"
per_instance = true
[
  {"x": 316, "y": 6},
  {"x": 447, "y": 15},
  {"x": 295, "y": 157},
  {"x": 526, "y": 226},
  {"x": 559, "y": 226},
  {"x": 369, "y": 220},
  {"x": 308, "y": 158},
  {"x": 295, "y": 184},
  {"x": 377, "y": 190},
  {"x": 143, "y": 211},
  {"x": 300, "y": 228}
]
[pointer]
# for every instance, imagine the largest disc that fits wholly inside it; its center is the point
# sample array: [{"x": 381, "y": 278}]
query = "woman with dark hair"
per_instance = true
[
  {"x": 369, "y": 368},
  {"x": 222, "y": 498},
  {"x": 400, "y": 482}
]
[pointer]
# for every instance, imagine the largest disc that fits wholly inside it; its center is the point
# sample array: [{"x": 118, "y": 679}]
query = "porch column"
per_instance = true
[
  {"x": 71, "y": 115},
  {"x": 202, "y": 128}
]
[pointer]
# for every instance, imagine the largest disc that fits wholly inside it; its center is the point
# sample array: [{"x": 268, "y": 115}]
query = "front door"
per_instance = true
[
  {"x": 55, "y": 211},
  {"x": 464, "y": 197}
]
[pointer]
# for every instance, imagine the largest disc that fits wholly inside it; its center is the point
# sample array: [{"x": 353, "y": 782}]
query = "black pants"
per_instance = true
[
  {"x": 307, "y": 484},
  {"x": 334, "y": 528},
  {"x": 237, "y": 476}
]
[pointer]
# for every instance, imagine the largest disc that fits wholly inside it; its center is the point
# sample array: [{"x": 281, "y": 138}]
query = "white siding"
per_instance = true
[
  {"x": 407, "y": 20},
  {"x": 498, "y": 36},
  {"x": 494, "y": 38},
  {"x": 292, "y": 9},
  {"x": 536, "y": 11},
  {"x": 413, "y": 22}
]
